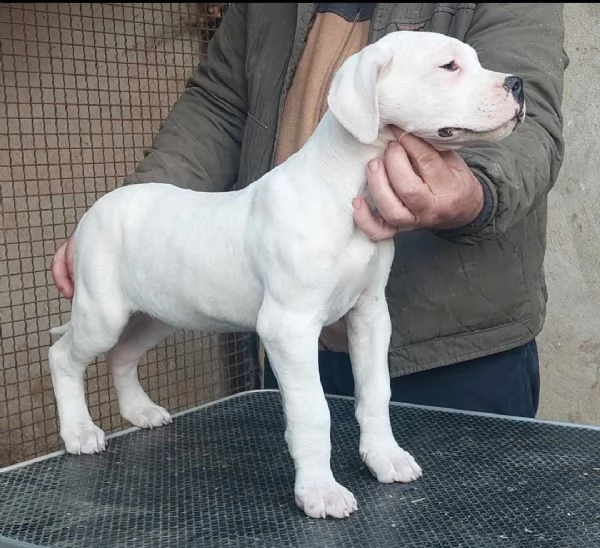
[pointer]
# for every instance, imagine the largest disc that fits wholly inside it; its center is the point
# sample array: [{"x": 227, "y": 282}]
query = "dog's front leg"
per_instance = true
[
  {"x": 291, "y": 342},
  {"x": 369, "y": 330}
]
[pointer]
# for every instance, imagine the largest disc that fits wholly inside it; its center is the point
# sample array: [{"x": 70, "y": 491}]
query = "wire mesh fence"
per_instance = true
[{"x": 83, "y": 90}]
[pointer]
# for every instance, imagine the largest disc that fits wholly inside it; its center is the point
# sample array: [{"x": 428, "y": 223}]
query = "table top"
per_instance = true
[{"x": 220, "y": 476}]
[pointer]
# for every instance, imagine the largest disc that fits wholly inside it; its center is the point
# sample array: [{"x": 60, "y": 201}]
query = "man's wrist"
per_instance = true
[{"x": 486, "y": 212}]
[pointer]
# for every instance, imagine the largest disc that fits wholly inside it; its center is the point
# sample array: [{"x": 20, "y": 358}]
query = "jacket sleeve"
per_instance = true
[
  {"x": 198, "y": 145},
  {"x": 525, "y": 40}
]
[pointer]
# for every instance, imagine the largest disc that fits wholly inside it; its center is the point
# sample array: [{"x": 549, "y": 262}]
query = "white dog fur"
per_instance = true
[{"x": 281, "y": 257}]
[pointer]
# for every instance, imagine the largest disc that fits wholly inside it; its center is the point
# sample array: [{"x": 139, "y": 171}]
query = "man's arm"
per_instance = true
[
  {"x": 198, "y": 145},
  {"x": 525, "y": 40}
]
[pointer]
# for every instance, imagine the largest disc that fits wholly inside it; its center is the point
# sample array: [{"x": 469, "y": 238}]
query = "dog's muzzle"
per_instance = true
[{"x": 514, "y": 86}]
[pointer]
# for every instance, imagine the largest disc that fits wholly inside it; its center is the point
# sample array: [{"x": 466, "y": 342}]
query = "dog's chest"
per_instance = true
[{"x": 360, "y": 267}]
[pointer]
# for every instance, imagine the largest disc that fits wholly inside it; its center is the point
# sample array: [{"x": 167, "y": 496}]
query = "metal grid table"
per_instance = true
[{"x": 220, "y": 476}]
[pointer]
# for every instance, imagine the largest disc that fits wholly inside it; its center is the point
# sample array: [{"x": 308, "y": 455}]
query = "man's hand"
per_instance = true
[
  {"x": 62, "y": 269},
  {"x": 416, "y": 186}
]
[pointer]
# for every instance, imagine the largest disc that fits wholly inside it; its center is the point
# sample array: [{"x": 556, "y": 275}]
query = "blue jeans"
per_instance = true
[{"x": 507, "y": 383}]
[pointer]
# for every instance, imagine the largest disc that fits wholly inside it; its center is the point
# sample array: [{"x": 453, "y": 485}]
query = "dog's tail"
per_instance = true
[{"x": 60, "y": 330}]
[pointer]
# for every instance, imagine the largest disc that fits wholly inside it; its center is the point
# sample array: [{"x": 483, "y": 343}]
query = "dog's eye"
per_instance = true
[{"x": 451, "y": 66}]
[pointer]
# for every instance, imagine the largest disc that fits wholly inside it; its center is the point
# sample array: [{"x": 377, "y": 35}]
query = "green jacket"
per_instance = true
[{"x": 453, "y": 296}]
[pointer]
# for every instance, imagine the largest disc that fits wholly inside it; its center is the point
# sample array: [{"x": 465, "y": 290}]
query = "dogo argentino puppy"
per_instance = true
[{"x": 281, "y": 257}]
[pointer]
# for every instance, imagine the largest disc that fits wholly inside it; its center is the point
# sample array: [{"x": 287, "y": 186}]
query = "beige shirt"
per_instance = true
[{"x": 330, "y": 42}]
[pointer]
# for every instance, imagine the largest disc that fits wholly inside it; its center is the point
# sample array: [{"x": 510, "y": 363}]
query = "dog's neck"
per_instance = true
[{"x": 344, "y": 159}]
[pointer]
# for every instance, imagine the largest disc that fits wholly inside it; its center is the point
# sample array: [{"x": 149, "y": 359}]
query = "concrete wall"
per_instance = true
[{"x": 570, "y": 341}]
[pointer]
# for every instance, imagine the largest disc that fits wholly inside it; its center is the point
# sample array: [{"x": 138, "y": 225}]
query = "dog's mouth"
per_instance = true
[{"x": 464, "y": 133}]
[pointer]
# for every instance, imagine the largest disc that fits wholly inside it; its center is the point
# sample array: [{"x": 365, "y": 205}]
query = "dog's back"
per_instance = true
[{"x": 138, "y": 244}]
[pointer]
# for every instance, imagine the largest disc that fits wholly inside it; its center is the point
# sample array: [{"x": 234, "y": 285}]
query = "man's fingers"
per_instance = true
[
  {"x": 62, "y": 269},
  {"x": 70, "y": 260},
  {"x": 389, "y": 203},
  {"x": 407, "y": 185},
  {"x": 416, "y": 148},
  {"x": 371, "y": 224},
  {"x": 427, "y": 162}
]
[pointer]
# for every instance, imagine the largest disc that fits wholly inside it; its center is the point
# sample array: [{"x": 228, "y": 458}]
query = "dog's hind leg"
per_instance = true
[
  {"x": 89, "y": 333},
  {"x": 141, "y": 334}
]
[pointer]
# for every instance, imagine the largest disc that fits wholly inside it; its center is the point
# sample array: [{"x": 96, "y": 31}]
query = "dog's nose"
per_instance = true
[{"x": 514, "y": 85}]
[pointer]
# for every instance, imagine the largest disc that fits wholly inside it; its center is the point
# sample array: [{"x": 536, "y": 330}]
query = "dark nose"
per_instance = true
[{"x": 514, "y": 85}]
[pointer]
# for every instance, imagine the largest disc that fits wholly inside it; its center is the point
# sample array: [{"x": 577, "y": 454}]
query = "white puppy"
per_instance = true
[{"x": 282, "y": 257}]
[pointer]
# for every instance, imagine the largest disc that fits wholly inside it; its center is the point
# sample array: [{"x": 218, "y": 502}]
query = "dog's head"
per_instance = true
[{"x": 427, "y": 84}]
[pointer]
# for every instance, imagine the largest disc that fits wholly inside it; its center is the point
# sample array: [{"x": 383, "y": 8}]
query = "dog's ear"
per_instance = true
[{"x": 353, "y": 94}]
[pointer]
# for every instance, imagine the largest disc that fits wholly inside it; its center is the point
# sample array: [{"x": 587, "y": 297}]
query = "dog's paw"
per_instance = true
[
  {"x": 389, "y": 464},
  {"x": 83, "y": 438},
  {"x": 320, "y": 499},
  {"x": 147, "y": 416}
]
